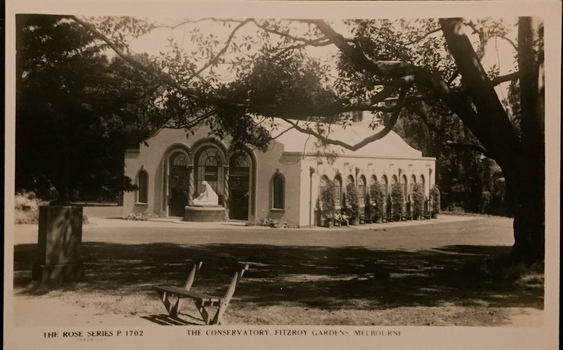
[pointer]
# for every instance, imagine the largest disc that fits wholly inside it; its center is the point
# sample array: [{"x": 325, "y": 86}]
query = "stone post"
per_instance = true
[{"x": 59, "y": 241}]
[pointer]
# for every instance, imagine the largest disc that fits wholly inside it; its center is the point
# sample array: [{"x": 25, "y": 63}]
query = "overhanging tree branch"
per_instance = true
[
  {"x": 425, "y": 35},
  {"x": 457, "y": 102},
  {"x": 504, "y": 78},
  {"x": 166, "y": 79},
  {"x": 311, "y": 42},
  {"x": 215, "y": 59},
  {"x": 336, "y": 108},
  {"x": 404, "y": 72},
  {"x": 385, "y": 68},
  {"x": 377, "y": 136}
]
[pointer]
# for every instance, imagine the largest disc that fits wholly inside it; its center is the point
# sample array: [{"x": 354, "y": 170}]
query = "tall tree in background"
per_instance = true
[
  {"x": 381, "y": 70},
  {"x": 76, "y": 110},
  {"x": 459, "y": 172}
]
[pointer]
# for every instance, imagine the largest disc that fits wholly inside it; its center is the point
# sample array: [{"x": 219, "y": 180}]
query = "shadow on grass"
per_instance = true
[{"x": 318, "y": 277}]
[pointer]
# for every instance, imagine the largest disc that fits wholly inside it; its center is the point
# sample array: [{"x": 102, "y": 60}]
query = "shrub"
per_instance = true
[
  {"x": 377, "y": 197},
  {"x": 140, "y": 216},
  {"x": 327, "y": 199},
  {"x": 397, "y": 199},
  {"x": 258, "y": 222},
  {"x": 417, "y": 200},
  {"x": 26, "y": 208},
  {"x": 435, "y": 202},
  {"x": 269, "y": 223},
  {"x": 352, "y": 201}
]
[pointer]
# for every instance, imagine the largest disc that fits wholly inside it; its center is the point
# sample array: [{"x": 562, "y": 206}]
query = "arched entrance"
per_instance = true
[
  {"x": 362, "y": 189},
  {"x": 178, "y": 183},
  {"x": 209, "y": 166},
  {"x": 240, "y": 185}
]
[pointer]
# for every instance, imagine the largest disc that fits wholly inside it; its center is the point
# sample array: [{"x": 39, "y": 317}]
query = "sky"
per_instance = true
[
  {"x": 157, "y": 40},
  {"x": 499, "y": 52}
]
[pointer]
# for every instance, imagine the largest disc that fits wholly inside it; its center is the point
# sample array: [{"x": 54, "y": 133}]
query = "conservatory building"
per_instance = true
[{"x": 283, "y": 183}]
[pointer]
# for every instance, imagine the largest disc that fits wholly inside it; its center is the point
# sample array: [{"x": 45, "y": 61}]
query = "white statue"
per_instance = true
[{"x": 207, "y": 196}]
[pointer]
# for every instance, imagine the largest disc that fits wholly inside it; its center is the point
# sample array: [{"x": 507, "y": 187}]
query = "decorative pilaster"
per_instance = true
[
  {"x": 191, "y": 184},
  {"x": 226, "y": 190}
]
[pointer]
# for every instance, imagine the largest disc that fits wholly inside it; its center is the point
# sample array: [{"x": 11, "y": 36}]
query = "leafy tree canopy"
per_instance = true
[
  {"x": 428, "y": 68},
  {"x": 77, "y": 110}
]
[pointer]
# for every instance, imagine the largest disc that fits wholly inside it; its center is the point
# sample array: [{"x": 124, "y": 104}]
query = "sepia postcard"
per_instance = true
[{"x": 282, "y": 174}]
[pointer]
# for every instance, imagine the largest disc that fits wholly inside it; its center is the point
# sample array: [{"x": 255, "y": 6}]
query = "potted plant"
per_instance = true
[
  {"x": 435, "y": 201},
  {"x": 397, "y": 200},
  {"x": 352, "y": 204},
  {"x": 376, "y": 198},
  {"x": 327, "y": 204},
  {"x": 417, "y": 201}
]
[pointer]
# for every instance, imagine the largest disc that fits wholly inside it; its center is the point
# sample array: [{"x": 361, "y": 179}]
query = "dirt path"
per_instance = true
[
  {"x": 68, "y": 314},
  {"x": 58, "y": 312},
  {"x": 392, "y": 274}
]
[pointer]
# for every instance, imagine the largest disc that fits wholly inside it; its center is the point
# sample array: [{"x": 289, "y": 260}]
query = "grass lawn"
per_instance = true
[{"x": 434, "y": 274}]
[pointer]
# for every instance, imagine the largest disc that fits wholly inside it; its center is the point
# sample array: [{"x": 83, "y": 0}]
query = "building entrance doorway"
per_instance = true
[
  {"x": 178, "y": 184},
  {"x": 239, "y": 186}
]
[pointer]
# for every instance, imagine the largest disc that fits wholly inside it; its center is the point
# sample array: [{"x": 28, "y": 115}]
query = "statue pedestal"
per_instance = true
[
  {"x": 59, "y": 240},
  {"x": 208, "y": 213}
]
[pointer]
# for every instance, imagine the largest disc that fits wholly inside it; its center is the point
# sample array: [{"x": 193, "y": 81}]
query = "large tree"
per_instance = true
[
  {"x": 77, "y": 111},
  {"x": 388, "y": 68}
]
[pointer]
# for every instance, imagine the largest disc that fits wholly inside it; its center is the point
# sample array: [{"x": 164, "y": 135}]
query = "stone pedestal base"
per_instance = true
[
  {"x": 213, "y": 213},
  {"x": 57, "y": 273},
  {"x": 58, "y": 245}
]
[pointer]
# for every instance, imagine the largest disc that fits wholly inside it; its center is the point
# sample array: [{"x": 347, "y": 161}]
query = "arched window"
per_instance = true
[
  {"x": 241, "y": 189},
  {"x": 385, "y": 185},
  {"x": 209, "y": 162},
  {"x": 143, "y": 186},
  {"x": 180, "y": 160},
  {"x": 177, "y": 181},
  {"x": 404, "y": 186},
  {"x": 323, "y": 183},
  {"x": 411, "y": 185},
  {"x": 423, "y": 184},
  {"x": 373, "y": 182},
  {"x": 278, "y": 191},
  {"x": 337, "y": 190},
  {"x": 362, "y": 189}
]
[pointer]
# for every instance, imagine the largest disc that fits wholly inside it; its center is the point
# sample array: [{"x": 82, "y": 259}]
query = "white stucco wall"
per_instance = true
[
  {"x": 267, "y": 165},
  {"x": 367, "y": 167},
  {"x": 302, "y": 189},
  {"x": 152, "y": 159}
]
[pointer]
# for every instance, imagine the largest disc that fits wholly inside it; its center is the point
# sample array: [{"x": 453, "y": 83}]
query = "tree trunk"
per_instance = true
[
  {"x": 522, "y": 158},
  {"x": 529, "y": 219},
  {"x": 529, "y": 230}
]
